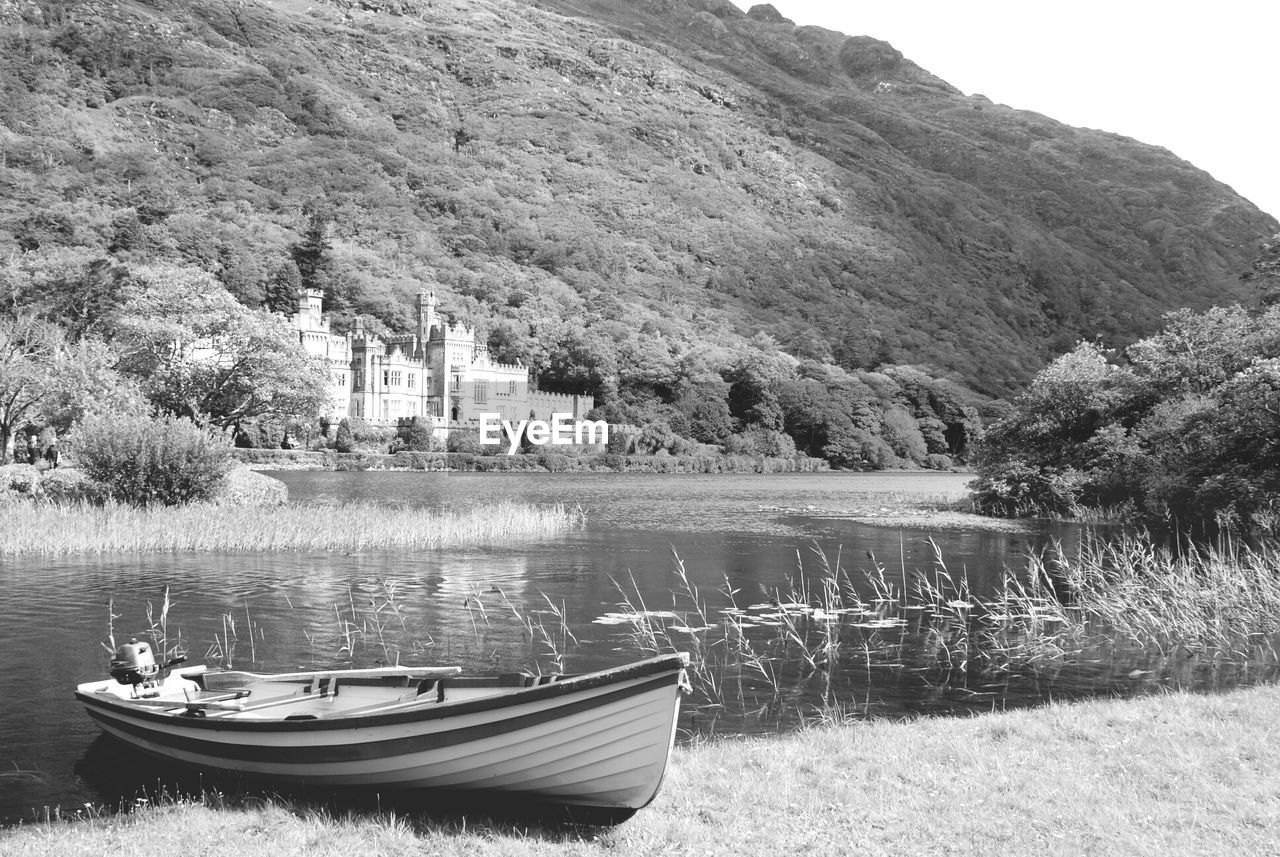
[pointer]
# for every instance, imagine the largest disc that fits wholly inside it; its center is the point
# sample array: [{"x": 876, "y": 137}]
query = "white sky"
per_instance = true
[{"x": 1201, "y": 80}]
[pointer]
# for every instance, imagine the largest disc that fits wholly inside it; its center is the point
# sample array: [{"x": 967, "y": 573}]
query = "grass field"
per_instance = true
[
  {"x": 48, "y": 529},
  {"x": 1177, "y": 774}
]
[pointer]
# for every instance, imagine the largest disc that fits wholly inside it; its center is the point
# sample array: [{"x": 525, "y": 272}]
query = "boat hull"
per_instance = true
[{"x": 597, "y": 740}]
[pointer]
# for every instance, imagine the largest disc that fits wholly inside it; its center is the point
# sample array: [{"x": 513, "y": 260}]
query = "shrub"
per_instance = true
[
  {"x": 367, "y": 436},
  {"x": 19, "y": 478},
  {"x": 554, "y": 462},
  {"x": 465, "y": 442},
  {"x": 68, "y": 485},
  {"x": 416, "y": 436},
  {"x": 1017, "y": 490},
  {"x": 142, "y": 461},
  {"x": 937, "y": 461},
  {"x": 344, "y": 441}
]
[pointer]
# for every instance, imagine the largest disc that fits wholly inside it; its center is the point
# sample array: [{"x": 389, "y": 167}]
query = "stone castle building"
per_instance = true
[{"x": 438, "y": 372}]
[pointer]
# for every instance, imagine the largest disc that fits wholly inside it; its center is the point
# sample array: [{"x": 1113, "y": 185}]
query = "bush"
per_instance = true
[
  {"x": 465, "y": 442},
  {"x": 937, "y": 461},
  {"x": 141, "y": 460},
  {"x": 369, "y": 437},
  {"x": 19, "y": 478},
  {"x": 1017, "y": 490},
  {"x": 554, "y": 462},
  {"x": 344, "y": 441},
  {"x": 416, "y": 436},
  {"x": 68, "y": 485}
]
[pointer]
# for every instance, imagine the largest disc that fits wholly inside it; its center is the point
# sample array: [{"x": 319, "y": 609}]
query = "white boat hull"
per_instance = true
[{"x": 598, "y": 740}]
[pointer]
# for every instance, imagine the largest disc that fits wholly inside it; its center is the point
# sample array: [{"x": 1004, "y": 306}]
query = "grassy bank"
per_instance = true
[
  {"x": 47, "y": 529},
  {"x": 538, "y": 462},
  {"x": 1168, "y": 775}
]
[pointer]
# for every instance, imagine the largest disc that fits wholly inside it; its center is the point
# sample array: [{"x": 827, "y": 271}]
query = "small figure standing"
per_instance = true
[
  {"x": 33, "y": 450},
  {"x": 52, "y": 455}
]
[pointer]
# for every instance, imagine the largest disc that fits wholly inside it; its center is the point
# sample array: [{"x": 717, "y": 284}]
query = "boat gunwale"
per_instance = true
[{"x": 672, "y": 663}]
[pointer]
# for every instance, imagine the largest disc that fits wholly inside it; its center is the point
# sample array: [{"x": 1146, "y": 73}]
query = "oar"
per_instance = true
[{"x": 223, "y": 677}]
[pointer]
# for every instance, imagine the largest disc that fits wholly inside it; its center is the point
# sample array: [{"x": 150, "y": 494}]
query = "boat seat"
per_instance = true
[{"x": 429, "y": 684}]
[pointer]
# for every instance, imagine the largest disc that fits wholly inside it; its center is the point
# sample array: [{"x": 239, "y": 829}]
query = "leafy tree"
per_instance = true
[
  {"x": 1197, "y": 352},
  {"x": 903, "y": 435},
  {"x": 706, "y": 409},
  {"x": 72, "y": 287},
  {"x": 30, "y": 353},
  {"x": 46, "y": 379},
  {"x": 1186, "y": 432},
  {"x": 198, "y": 353},
  {"x": 754, "y": 386}
]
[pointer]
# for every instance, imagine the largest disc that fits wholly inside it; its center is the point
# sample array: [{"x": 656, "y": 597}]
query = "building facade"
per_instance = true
[{"x": 438, "y": 373}]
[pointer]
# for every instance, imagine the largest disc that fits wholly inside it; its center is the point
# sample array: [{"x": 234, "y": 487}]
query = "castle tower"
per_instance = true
[
  {"x": 310, "y": 306},
  {"x": 426, "y": 315}
]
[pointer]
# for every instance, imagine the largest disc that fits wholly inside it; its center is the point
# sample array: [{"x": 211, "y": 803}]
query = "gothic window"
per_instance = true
[
  {"x": 511, "y": 388},
  {"x": 413, "y": 380},
  {"x": 386, "y": 377},
  {"x": 482, "y": 392},
  {"x": 396, "y": 377}
]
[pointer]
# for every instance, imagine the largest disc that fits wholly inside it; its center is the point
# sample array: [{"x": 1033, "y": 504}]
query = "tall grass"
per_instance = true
[
  {"x": 1124, "y": 608},
  {"x": 48, "y": 529}
]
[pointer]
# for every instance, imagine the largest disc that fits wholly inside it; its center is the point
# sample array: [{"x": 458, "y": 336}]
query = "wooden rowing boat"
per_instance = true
[{"x": 599, "y": 739}]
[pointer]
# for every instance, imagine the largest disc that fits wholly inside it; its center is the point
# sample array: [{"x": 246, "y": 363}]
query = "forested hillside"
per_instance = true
[{"x": 722, "y": 225}]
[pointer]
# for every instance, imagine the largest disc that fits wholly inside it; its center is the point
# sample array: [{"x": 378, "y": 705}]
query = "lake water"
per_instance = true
[{"x": 475, "y": 607}]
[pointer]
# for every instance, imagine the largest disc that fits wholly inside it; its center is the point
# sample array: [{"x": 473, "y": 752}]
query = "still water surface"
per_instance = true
[{"x": 472, "y": 606}]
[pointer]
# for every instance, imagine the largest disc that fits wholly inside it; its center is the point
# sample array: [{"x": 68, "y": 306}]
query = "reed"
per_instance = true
[
  {"x": 48, "y": 529},
  {"x": 1111, "y": 609}
]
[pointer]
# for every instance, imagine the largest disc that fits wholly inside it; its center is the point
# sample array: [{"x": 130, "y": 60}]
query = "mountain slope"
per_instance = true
[{"x": 611, "y": 188}]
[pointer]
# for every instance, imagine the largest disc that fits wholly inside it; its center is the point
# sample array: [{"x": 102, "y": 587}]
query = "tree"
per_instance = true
[
  {"x": 311, "y": 255},
  {"x": 75, "y": 288},
  {"x": 753, "y": 394},
  {"x": 47, "y": 380},
  {"x": 283, "y": 288},
  {"x": 1197, "y": 352},
  {"x": 1186, "y": 432},
  {"x": 345, "y": 440},
  {"x": 30, "y": 351},
  {"x": 706, "y": 409},
  {"x": 198, "y": 353}
]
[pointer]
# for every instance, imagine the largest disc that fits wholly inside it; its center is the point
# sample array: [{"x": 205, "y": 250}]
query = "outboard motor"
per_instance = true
[{"x": 134, "y": 664}]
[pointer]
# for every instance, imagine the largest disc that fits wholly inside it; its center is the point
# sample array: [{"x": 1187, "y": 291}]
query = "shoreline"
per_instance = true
[
  {"x": 1174, "y": 774},
  {"x": 907, "y": 518}
]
